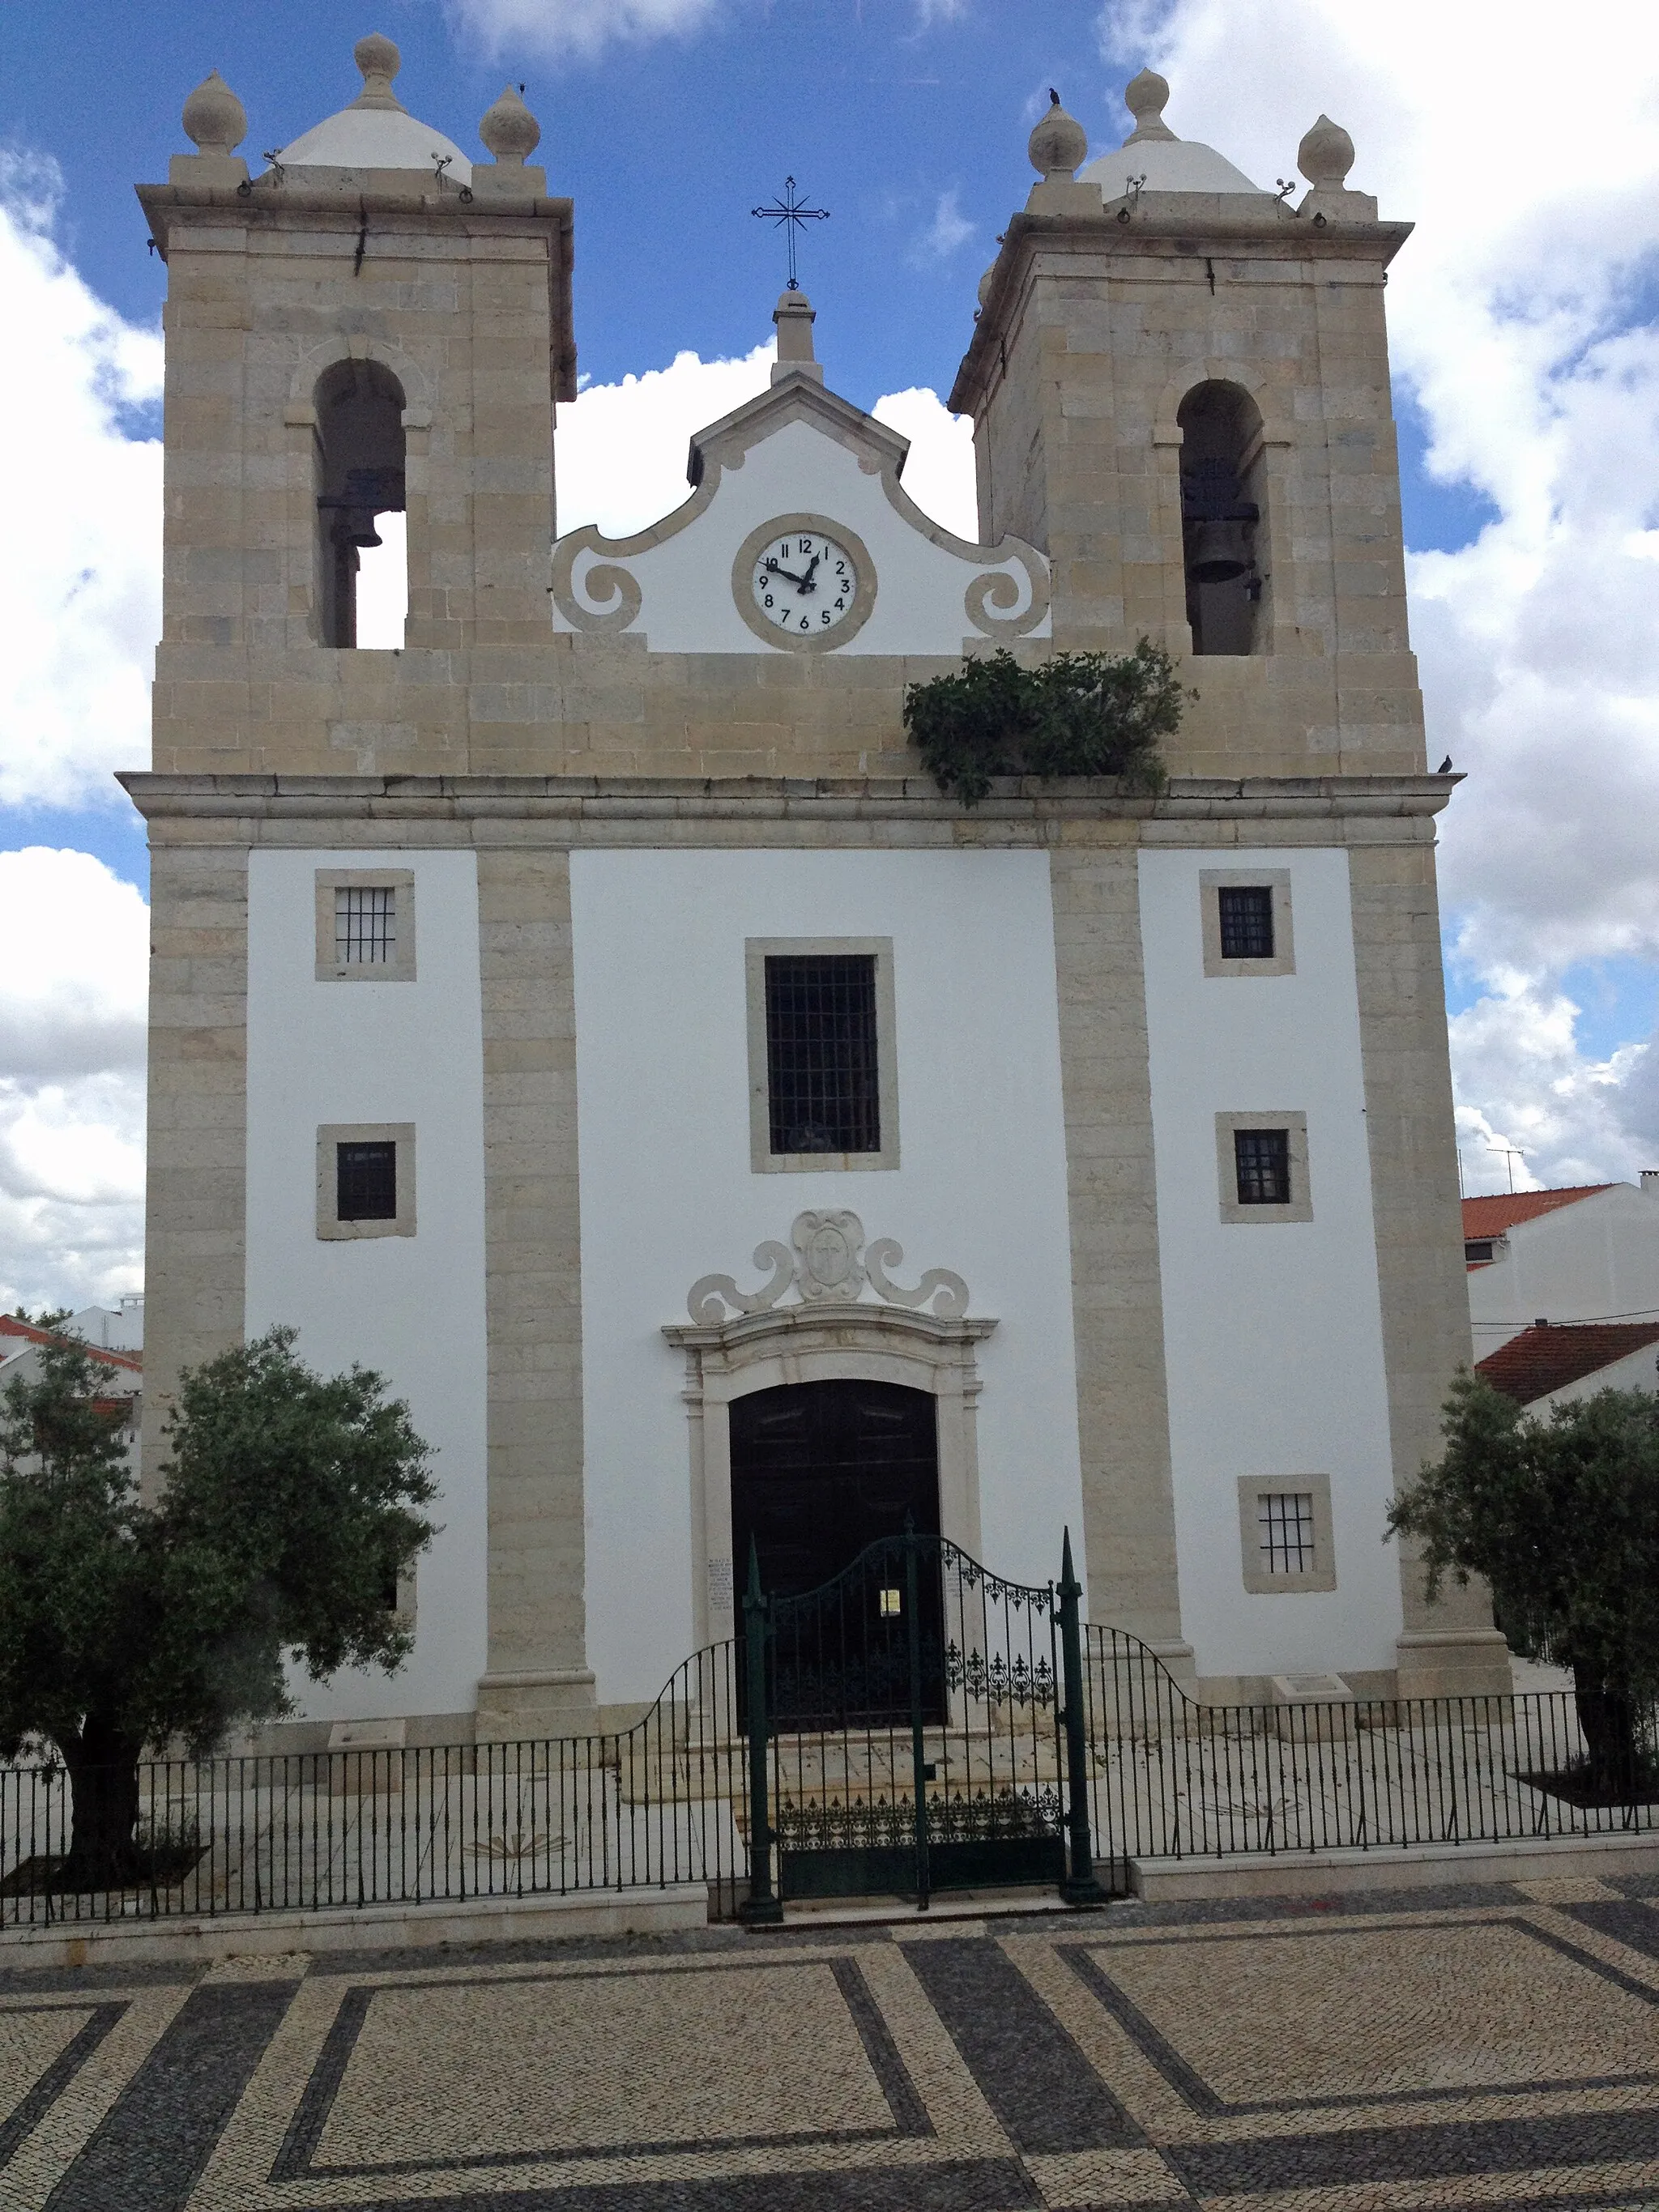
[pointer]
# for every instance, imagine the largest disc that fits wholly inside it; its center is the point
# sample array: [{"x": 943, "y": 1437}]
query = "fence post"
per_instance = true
[
  {"x": 762, "y": 1908},
  {"x": 918, "y": 1739},
  {"x": 1080, "y": 1885}
]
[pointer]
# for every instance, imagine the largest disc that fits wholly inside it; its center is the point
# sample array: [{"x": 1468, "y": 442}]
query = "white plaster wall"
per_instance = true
[
  {"x": 1597, "y": 1259},
  {"x": 1272, "y": 1334},
  {"x": 411, "y": 1307},
  {"x": 686, "y": 582},
  {"x": 668, "y": 1194}
]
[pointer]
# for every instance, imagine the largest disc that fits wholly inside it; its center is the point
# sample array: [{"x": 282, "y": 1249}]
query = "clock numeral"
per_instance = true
[
  {"x": 769, "y": 598},
  {"x": 840, "y": 606},
  {"x": 825, "y": 616},
  {"x": 803, "y": 544}
]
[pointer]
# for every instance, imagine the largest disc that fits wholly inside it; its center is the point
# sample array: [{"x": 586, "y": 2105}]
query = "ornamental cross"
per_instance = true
[{"x": 793, "y": 214}]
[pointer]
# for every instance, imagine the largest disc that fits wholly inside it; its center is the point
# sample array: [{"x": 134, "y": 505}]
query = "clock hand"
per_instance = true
[
  {"x": 805, "y": 582},
  {"x": 773, "y": 569}
]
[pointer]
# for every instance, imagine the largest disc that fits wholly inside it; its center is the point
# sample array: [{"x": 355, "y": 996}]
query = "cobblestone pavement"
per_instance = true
[{"x": 1488, "y": 2048}]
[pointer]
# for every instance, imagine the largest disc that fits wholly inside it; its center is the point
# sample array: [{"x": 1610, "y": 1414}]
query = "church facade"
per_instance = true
[{"x": 591, "y": 1015}]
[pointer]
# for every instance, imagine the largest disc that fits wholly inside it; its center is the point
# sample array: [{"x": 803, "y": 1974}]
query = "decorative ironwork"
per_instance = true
[{"x": 791, "y": 215}]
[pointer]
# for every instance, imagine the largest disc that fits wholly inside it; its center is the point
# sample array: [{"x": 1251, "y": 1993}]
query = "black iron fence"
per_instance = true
[
  {"x": 1169, "y": 1778},
  {"x": 649, "y": 1807},
  {"x": 921, "y": 1724}
]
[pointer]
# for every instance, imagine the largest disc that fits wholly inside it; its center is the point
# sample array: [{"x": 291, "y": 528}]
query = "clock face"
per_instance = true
[{"x": 804, "y": 583}]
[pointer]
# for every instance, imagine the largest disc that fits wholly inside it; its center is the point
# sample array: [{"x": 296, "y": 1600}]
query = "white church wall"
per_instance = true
[
  {"x": 1273, "y": 1334},
  {"x": 667, "y": 1192},
  {"x": 411, "y": 1307}
]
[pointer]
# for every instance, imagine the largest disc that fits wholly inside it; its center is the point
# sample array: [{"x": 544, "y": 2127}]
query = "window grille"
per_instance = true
[
  {"x": 365, "y": 924},
  {"x": 1246, "y": 920},
  {"x": 1285, "y": 1521},
  {"x": 822, "y": 1087},
  {"x": 366, "y": 1182},
  {"x": 1263, "y": 1160}
]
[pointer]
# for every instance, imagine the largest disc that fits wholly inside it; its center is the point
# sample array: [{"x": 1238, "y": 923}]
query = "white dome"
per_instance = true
[
  {"x": 1169, "y": 164},
  {"x": 376, "y": 139}
]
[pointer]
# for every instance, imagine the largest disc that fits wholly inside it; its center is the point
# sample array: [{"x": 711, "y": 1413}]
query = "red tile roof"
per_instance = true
[
  {"x": 1550, "y": 1355},
  {"x": 26, "y": 1332},
  {"x": 1490, "y": 1217}
]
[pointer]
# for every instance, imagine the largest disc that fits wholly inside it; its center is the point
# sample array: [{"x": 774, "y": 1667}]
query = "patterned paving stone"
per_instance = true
[{"x": 1465, "y": 2052}]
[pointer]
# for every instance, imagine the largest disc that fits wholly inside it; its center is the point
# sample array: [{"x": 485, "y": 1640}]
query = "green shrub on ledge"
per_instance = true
[{"x": 1080, "y": 714}]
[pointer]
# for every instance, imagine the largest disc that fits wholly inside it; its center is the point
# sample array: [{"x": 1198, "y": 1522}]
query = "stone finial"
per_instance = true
[
  {"x": 379, "y": 62},
  {"x": 509, "y": 130},
  {"x": 985, "y": 284},
  {"x": 1059, "y": 146},
  {"x": 794, "y": 316},
  {"x": 1326, "y": 155},
  {"x": 1147, "y": 96},
  {"x": 214, "y": 120}
]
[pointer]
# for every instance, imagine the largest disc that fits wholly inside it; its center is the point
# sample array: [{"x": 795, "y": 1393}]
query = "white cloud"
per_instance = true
[
  {"x": 620, "y": 450},
  {"x": 1513, "y": 315},
  {"x": 582, "y": 27},
  {"x": 949, "y": 229},
  {"x": 72, "y": 1008},
  {"x": 939, "y": 469},
  {"x": 80, "y": 550}
]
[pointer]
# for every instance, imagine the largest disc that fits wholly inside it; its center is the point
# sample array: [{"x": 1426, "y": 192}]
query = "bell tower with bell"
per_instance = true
[{"x": 1179, "y": 384}]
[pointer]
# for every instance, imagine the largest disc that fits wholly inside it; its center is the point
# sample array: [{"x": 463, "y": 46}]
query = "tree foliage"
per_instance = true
[
  {"x": 1079, "y": 713},
  {"x": 288, "y": 1510},
  {"x": 1560, "y": 1516}
]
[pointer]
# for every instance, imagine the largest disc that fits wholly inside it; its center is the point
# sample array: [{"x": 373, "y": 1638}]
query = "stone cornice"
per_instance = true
[{"x": 575, "y": 799}]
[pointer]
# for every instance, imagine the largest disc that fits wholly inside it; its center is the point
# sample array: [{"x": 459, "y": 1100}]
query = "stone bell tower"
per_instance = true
[
  {"x": 371, "y": 325},
  {"x": 1179, "y": 384}
]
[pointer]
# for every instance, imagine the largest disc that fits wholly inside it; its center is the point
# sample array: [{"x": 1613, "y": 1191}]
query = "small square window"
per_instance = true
[
  {"x": 365, "y": 926},
  {"x": 1262, "y": 1166},
  {"x": 823, "y": 1086},
  {"x": 1285, "y": 1521},
  {"x": 1262, "y": 1162},
  {"x": 1284, "y": 1530},
  {"x": 1245, "y": 922},
  {"x": 366, "y": 1182},
  {"x": 366, "y": 1179},
  {"x": 821, "y": 1053},
  {"x": 1246, "y": 915}
]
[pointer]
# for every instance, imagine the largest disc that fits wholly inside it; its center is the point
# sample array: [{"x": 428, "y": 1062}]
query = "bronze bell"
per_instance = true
[{"x": 1220, "y": 553}]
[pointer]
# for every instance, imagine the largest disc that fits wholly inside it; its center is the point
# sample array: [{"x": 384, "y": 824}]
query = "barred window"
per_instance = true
[
  {"x": 823, "y": 1094},
  {"x": 1262, "y": 1159},
  {"x": 1285, "y": 1522},
  {"x": 1246, "y": 914},
  {"x": 366, "y": 1182},
  {"x": 365, "y": 924}
]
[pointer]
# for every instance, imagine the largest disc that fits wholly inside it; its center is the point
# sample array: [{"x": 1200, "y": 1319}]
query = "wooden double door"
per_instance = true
[{"x": 821, "y": 1470}]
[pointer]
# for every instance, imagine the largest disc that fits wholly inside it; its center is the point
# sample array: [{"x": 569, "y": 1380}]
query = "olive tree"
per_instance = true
[
  {"x": 1560, "y": 1516},
  {"x": 287, "y": 1510}
]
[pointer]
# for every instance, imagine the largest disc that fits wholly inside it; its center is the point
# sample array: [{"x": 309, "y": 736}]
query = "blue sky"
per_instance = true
[{"x": 1527, "y": 394}]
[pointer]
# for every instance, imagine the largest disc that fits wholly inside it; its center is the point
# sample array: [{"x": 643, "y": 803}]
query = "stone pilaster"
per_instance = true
[
  {"x": 539, "y": 1674},
  {"x": 1123, "y": 1423},
  {"x": 1451, "y": 1646}
]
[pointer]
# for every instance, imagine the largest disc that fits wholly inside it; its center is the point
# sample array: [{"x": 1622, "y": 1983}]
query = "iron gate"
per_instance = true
[{"x": 915, "y": 1724}]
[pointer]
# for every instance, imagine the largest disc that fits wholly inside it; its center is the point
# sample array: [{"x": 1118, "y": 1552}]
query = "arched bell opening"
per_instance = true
[
  {"x": 1223, "y": 520},
  {"x": 362, "y": 575}
]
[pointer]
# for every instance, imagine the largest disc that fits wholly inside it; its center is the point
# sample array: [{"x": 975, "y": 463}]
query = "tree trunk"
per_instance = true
[
  {"x": 1606, "y": 1714},
  {"x": 103, "y": 1769}
]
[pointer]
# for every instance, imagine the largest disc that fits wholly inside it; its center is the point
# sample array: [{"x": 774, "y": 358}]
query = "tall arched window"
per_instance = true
[
  {"x": 360, "y": 477},
  {"x": 1221, "y": 536}
]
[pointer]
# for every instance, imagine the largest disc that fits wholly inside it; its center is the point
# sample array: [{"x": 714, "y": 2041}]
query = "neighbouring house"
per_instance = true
[
  {"x": 1587, "y": 1253},
  {"x": 122, "y": 1394},
  {"x": 789, "y": 1147},
  {"x": 1553, "y": 1362}
]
